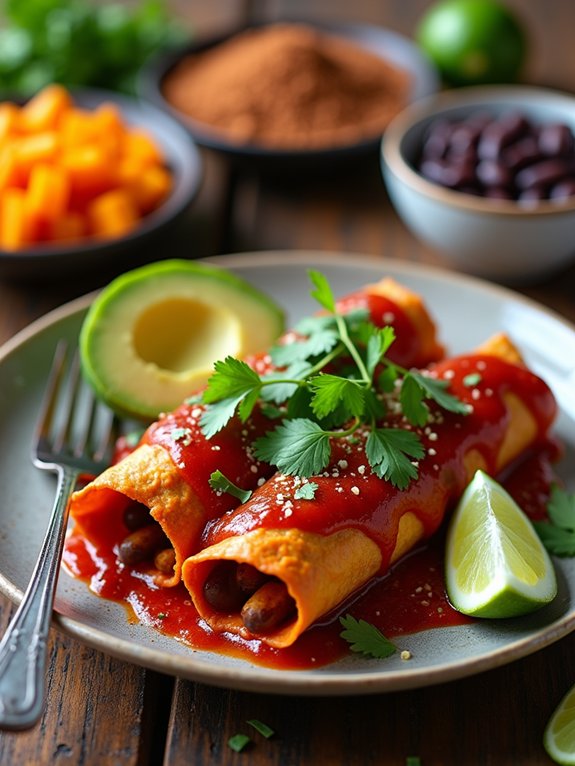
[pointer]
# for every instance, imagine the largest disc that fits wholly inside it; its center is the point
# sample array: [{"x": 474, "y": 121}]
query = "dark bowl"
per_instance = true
[
  {"x": 386, "y": 44},
  {"x": 60, "y": 261}
]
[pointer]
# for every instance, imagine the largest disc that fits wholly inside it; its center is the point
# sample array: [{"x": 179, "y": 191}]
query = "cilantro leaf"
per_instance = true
[
  {"x": 365, "y": 638},
  {"x": 558, "y": 534},
  {"x": 216, "y": 416},
  {"x": 389, "y": 450},
  {"x": 558, "y": 540},
  {"x": 329, "y": 391},
  {"x": 306, "y": 491},
  {"x": 436, "y": 389},
  {"x": 472, "y": 379},
  {"x": 378, "y": 346},
  {"x": 316, "y": 324},
  {"x": 322, "y": 293},
  {"x": 262, "y": 728},
  {"x": 298, "y": 447},
  {"x": 232, "y": 379},
  {"x": 317, "y": 343},
  {"x": 238, "y": 742},
  {"x": 412, "y": 404},
  {"x": 386, "y": 380},
  {"x": 221, "y": 483},
  {"x": 561, "y": 508}
]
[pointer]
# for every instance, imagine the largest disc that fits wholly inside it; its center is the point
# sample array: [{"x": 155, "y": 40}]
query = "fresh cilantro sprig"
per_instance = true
[
  {"x": 221, "y": 483},
  {"x": 330, "y": 383},
  {"x": 558, "y": 534},
  {"x": 365, "y": 638}
]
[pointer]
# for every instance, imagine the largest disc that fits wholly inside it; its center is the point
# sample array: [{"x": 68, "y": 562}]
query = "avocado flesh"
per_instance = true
[{"x": 151, "y": 338}]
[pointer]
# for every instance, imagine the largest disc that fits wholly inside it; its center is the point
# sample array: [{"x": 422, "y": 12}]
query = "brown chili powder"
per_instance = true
[{"x": 288, "y": 86}]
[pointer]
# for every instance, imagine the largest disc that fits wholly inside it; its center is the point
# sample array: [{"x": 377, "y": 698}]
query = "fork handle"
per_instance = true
[{"x": 23, "y": 649}]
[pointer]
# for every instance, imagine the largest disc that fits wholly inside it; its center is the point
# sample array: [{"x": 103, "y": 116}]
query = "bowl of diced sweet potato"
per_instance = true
[{"x": 88, "y": 179}]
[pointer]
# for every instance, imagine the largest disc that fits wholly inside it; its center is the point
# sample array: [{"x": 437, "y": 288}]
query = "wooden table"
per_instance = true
[{"x": 102, "y": 711}]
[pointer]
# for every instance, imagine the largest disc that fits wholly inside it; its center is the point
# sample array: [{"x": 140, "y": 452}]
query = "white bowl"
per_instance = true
[{"x": 495, "y": 239}]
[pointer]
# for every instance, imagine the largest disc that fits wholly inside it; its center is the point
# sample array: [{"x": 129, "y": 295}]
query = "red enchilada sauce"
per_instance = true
[{"x": 408, "y": 599}]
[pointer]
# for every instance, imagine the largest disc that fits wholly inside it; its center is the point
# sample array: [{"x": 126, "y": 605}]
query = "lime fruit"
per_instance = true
[
  {"x": 559, "y": 736},
  {"x": 496, "y": 565},
  {"x": 473, "y": 42}
]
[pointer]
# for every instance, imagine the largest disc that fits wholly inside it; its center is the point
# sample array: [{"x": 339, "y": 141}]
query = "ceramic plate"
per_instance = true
[{"x": 467, "y": 311}]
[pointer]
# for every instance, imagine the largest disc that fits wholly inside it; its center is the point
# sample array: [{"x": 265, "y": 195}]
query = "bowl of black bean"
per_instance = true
[{"x": 486, "y": 176}]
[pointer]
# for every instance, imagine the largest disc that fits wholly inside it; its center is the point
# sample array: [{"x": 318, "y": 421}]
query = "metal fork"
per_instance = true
[{"x": 74, "y": 435}]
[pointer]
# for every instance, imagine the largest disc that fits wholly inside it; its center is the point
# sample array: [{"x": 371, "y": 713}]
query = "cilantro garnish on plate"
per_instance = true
[
  {"x": 558, "y": 534},
  {"x": 365, "y": 638},
  {"x": 320, "y": 401}
]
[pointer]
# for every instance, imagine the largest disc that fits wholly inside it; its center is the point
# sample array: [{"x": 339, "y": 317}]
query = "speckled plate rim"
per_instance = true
[{"x": 356, "y": 675}]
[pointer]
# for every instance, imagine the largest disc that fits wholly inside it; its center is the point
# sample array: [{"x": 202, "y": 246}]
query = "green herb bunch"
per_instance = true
[
  {"x": 335, "y": 381},
  {"x": 80, "y": 43}
]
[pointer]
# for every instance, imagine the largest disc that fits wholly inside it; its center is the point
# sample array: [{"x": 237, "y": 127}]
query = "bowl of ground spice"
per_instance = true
[{"x": 288, "y": 91}]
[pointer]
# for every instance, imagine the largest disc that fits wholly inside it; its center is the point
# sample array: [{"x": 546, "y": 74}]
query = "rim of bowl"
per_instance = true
[
  {"x": 184, "y": 191},
  {"x": 478, "y": 96}
]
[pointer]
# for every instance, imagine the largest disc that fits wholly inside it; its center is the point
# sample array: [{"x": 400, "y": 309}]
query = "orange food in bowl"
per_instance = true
[{"x": 69, "y": 174}]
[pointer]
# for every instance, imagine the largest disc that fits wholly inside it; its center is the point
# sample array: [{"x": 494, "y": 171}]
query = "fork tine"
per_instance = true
[
  {"x": 50, "y": 397},
  {"x": 109, "y": 435},
  {"x": 64, "y": 432},
  {"x": 87, "y": 425}
]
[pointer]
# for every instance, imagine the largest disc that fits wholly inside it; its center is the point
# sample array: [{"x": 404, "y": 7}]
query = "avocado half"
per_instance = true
[{"x": 151, "y": 337}]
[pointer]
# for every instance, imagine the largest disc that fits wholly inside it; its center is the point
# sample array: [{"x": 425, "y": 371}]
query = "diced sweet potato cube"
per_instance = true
[
  {"x": 14, "y": 223},
  {"x": 9, "y": 117},
  {"x": 10, "y": 171},
  {"x": 112, "y": 214},
  {"x": 33, "y": 149},
  {"x": 89, "y": 169},
  {"x": 43, "y": 111},
  {"x": 48, "y": 192},
  {"x": 140, "y": 145},
  {"x": 151, "y": 188}
]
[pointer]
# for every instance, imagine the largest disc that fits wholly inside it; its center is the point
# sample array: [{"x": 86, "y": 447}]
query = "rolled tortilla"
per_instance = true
[
  {"x": 169, "y": 470},
  {"x": 358, "y": 525}
]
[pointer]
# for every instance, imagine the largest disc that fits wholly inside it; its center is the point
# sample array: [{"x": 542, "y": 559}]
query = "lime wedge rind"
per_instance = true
[
  {"x": 559, "y": 735},
  {"x": 496, "y": 565}
]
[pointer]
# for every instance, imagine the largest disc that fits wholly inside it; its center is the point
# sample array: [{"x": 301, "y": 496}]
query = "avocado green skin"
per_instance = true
[{"x": 133, "y": 279}]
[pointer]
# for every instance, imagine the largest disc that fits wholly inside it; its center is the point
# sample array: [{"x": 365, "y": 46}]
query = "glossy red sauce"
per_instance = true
[{"x": 411, "y": 597}]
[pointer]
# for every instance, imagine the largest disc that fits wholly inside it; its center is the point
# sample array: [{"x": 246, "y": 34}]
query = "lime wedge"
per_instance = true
[
  {"x": 559, "y": 736},
  {"x": 496, "y": 565}
]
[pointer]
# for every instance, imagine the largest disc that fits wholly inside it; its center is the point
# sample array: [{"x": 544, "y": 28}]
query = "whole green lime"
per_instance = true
[{"x": 473, "y": 42}]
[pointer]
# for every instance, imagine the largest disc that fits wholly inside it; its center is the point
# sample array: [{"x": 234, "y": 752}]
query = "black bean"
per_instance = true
[
  {"x": 521, "y": 153},
  {"x": 142, "y": 544},
  {"x": 249, "y": 579},
  {"x": 555, "y": 140},
  {"x": 494, "y": 173},
  {"x": 449, "y": 174},
  {"x": 541, "y": 173},
  {"x": 563, "y": 190},
  {"x": 499, "y": 134},
  {"x": 221, "y": 590},
  {"x": 137, "y": 515},
  {"x": 531, "y": 197}
]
